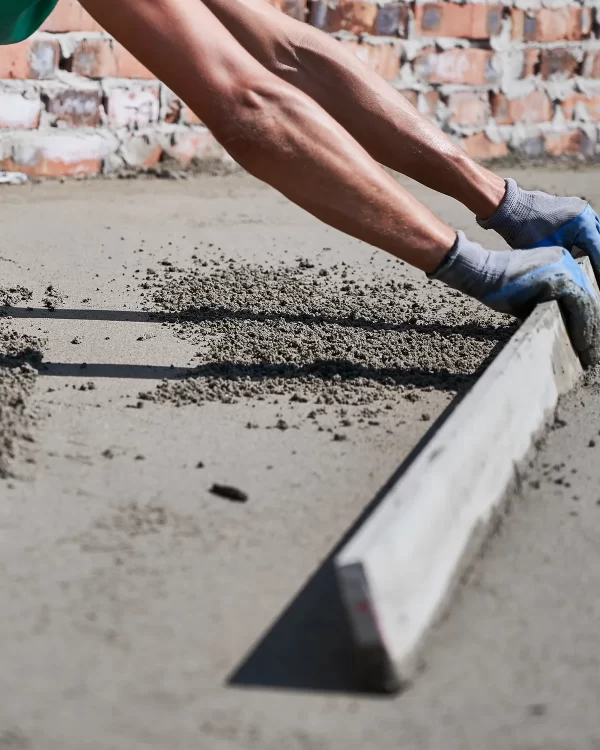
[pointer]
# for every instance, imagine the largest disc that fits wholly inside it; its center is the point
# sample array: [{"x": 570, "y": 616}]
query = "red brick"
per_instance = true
[
  {"x": 191, "y": 118},
  {"x": 106, "y": 58},
  {"x": 179, "y": 113},
  {"x": 591, "y": 65},
  {"x": 55, "y": 155},
  {"x": 429, "y": 102},
  {"x": 70, "y": 16},
  {"x": 590, "y": 105},
  {"x": 533, "y": 108},
  {"x": 477, "y": 21},
  {"x": 19, "y": 112},
  {"x": 174, "y": 110},
  {"x": 190, "y": 146},
  {"x": 470, "y": 110},
  {"x": 551, "y": 24},
  {"x": 53, "y": 167},
  {"x": 481, "y": 148},
  {"x": 354, "y": 17},
  {"x": 382, "y": 58},
  {"x": 31, "y": 59},
  {"x": 531, "y": 58},
  {"x": 76, "y": 108},
  {"x": 412, "y": 96},
  {"x": 559, "y": 63},
  {"x": 134, "y": 107},
  {"x": 392, "y": 19},
  {"x": 294, "y": 8},
  {"x": 573, "y": 143},
  {"x": 471, "y": 67},
  {"x": 141, "y": 151}
]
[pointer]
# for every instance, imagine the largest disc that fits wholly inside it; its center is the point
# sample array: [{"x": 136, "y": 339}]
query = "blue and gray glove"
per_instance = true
[
  {"x": 514, "y": 281},
  {"x": 530, "y": 218}
]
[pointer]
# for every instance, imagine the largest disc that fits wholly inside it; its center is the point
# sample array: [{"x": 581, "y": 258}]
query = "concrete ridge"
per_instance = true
[{"x": 399, "y": 569}]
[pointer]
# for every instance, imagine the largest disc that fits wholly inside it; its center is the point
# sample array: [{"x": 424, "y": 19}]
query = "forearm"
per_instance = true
[{"x": 393, "y": 131}]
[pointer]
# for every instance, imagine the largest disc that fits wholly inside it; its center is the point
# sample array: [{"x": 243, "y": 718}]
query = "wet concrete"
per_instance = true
[{"x": 139, "y": 608}]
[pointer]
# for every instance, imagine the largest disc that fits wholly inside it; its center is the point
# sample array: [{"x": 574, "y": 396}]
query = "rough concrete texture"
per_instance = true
[
  {"x": 139, "y": 608},
  {"x": 319, "y": 332}
]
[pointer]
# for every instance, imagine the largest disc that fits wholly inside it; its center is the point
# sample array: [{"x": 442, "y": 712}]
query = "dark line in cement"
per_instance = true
[
  {"x": 238, "y": 371},
  {"x": 201, "y": 314}
]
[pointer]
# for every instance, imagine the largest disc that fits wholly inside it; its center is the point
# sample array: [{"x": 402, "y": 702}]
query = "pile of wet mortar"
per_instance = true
[
  {"x": 19, "y": 353},
  {"x": 318, "y": 334}
]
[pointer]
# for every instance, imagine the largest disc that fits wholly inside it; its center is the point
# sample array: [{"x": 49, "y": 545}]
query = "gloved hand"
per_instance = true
[
  {"x": 527, "y": 219},
  {"x": 514, "y": 281}
]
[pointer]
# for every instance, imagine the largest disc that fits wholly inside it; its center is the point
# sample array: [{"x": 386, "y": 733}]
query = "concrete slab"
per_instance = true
[{"x": 139, "y": 611}]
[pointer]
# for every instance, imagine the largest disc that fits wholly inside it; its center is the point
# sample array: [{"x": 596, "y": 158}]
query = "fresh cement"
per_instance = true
[
  {"x": 19, "y": 356},
  {"x": 141, "y": 610},
  {"x": 317, "y": 332}
]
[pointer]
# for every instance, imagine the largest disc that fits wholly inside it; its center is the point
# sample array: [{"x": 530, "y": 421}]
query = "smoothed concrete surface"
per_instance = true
[{"x": 139, "y": 610}]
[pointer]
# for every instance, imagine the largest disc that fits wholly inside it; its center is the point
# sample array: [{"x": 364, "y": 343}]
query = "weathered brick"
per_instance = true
[
  {"x": 133, "y": 107},
  {"x": 591, "y": 65},
  {"x": 173, "y": 111},
  {"x": 533, "y": 108},
  {"x": 551, "y": 24},
  {"x": 70, "y": 16},
  {"x": 531, "y": 58},
  {"x": 141, "y": 151},
  {"x": 60, "y": 154},
  {"x": 76, "y": 108},
  {"x": 191, "y": 146},
  {"x": 580, "y": 105},
  {"x": 294, "y": 8},
  {"x": 106, "y": 58},
  {"x": 382, "y": 58},
  {"x": 392, "y": 19},
  {"x": 346, "y": 15},
  {"x": 18, "y": 110},
  {"x": 428, "y": 104},
  {"x": 481, "y": 148},
  {"x": 468, "y": 109},
  {"x": 557, "y": 63},
  {"x": 472, "y": 67},
  {"x": 190, "y": 117},
  {"x": 476, "y": 21},
  {"x": 176, "y": 112},
  {"x": 412, "y": 96},
  {"x": 32, "y": 59},
  {"x": 573, "y": 143}
]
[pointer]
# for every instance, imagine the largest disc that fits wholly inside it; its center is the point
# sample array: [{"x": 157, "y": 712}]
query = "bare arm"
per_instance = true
[
  {"x": 272, "y": 129},
  {"x": 379, "y": 117}
]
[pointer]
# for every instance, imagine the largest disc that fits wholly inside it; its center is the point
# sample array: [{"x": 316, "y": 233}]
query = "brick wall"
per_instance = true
[{"x": 499, "y": 78}]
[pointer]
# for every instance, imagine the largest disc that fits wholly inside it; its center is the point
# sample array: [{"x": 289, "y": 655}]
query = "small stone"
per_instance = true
[
  {"x": 538, "y": 709},
  {"x": 229, "y": 493},
  {"x": 76, "y": 340},
  {"x": 199, "y": 465}
]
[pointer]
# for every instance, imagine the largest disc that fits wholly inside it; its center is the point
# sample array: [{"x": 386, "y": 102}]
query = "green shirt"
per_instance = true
[{"x": 20, "y": 18}]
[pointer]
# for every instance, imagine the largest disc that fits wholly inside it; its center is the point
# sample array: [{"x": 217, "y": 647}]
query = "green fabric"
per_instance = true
[{"x": 20, "y": 18}]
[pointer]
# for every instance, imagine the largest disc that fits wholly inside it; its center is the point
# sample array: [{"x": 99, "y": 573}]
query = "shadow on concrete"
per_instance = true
[
  {"x": 201, "y": 314},
  {"x": 309, "y": 647},
  {"x": 336, "y": 371}
]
